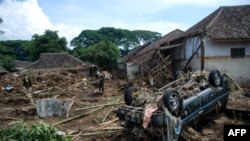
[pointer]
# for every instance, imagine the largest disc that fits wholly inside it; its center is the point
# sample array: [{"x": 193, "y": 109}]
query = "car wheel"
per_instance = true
[
  {"x": 128, "y": 94},
  {"x": 172, "y": 101},
  {"x": 215, "y": 78}
]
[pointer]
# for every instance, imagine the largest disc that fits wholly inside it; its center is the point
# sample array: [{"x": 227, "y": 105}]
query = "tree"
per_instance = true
[
  {"x": 6, "y": 61},
  {"x": 5, "y": 57},
  {"x": 18, "y": 49},
  {"x": 10, "y": 50},
  {"x": 104, "y": 54},
  {"x": 145, "y": 36},
  {"x": 120, "y": 37},
  {"x": 49, "y": 42}
]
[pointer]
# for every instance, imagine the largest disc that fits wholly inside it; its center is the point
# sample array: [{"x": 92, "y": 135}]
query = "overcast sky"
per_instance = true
[{"x": 23, "y": 18}]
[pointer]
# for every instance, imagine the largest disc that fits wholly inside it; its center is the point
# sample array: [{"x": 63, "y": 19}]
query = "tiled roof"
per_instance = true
[
  {"x": 57, "y": 61},
  {"x": 227, "y": 22}
]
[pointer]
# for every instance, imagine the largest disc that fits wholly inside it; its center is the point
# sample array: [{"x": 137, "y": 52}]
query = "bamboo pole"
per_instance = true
[
  {"x": 9, "y": 118},
  {"x": 104, "y": 129},
  {"x": 118, "y": 90},
  {"x": 108, "y": 122},
  {"x": 111, "y": 109},
  {"x": 99, "y": 133},
  {"x": 78, "y": 116},
  {"x": 96, "y": 106}
]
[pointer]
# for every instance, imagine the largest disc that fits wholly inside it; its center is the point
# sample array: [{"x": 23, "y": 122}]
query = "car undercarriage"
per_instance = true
[{"x": 163, "y": 113}]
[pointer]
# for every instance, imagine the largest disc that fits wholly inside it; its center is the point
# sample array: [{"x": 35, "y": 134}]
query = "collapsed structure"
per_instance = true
[{"x": 219, "y": 41}]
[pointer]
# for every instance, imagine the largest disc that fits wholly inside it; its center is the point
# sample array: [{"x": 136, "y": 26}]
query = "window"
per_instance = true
[{"x": 237, "y": 52}]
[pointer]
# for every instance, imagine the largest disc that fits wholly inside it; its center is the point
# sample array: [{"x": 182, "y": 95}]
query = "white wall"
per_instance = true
[
  {"x": 222, "y": 48},
  {"x": 218, "y": 56},
  {"x": 190, "y": 45}
]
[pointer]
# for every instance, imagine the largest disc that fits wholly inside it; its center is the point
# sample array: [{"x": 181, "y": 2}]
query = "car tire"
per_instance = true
[
  {"x": 215, "y": 78},
  {"x": 172, "y": 101},
  {"x": 128, "y": 98}
]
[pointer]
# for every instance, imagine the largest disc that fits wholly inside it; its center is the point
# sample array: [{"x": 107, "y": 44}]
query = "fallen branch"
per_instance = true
[
  {"x": 103, "y": 105},
  {"x": 78, "y": 116}
]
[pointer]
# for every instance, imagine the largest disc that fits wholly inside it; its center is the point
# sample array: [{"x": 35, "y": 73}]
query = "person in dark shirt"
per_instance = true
[
  {"x": 101, "y": 77},
  {"x": 27, "y": 83}
]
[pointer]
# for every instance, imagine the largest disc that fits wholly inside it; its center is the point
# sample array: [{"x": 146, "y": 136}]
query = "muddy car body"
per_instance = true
[{"x": 177, "y": 104}]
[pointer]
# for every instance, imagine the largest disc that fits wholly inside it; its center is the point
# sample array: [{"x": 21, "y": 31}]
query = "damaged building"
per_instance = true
[
  {"x": 219, "y": 41},
  {"x": 153, "y": 62},
  {"x": 62, "y": 61}
]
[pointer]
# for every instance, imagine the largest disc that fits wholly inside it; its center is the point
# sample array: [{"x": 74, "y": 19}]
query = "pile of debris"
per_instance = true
[
  {"x": 65, "y": 99},
  {"x": 156, "y": 68}
]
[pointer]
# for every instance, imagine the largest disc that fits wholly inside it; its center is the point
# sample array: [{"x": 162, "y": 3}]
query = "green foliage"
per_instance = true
[
  {"x": 120, "y": 37},
  {"x": 104, "y": 54},
  {"x": 18, "y": 49},
  {"x": 37, "y": 132},
  {"x": 101, "y": 46},
  {"x": 6, "y": 61},
  {"x": 145, "y": 36},
  {"x": 5, "y": 57},
  {"x": 13, "y": 49},
  {"x": 49, "y": 42}
]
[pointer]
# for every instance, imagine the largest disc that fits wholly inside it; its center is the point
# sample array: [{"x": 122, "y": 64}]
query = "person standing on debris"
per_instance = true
[
  {"x": 27, "y": 83},
  {"x": 101, "y": 77}
]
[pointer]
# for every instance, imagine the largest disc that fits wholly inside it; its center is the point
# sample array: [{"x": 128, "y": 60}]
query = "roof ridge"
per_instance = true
[
  {"x": 214, "y": 18},
  {"x": 232, "y": 6}
]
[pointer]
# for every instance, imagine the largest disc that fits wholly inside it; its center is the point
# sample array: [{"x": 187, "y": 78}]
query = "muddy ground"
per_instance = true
[{"x": 71, "y": 85}]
